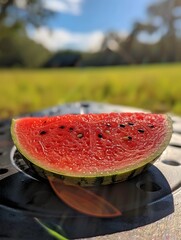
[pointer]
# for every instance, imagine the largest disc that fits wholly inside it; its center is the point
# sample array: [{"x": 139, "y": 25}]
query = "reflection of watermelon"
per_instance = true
[{"x": 91, "y": 149}]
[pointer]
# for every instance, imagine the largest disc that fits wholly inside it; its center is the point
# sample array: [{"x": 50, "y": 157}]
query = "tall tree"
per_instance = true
[
  {"x": 15, "y": 47},
  {"x": 167, "y": 13},
  {"x": 23, "y": 11}
]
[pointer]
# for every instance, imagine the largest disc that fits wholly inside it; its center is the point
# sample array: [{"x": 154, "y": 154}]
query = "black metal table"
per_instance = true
[{"x": 151, "y": 202}]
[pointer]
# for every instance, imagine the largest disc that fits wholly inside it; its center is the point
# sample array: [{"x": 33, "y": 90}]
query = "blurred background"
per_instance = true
[{"x": 122, "y": 52}]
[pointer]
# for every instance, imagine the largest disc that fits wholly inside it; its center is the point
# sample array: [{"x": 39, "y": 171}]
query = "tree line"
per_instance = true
[{"x": 17, "y": 50}]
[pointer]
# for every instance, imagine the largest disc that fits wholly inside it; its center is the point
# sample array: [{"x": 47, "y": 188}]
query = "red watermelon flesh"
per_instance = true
[{"x": 92, "y": 144}]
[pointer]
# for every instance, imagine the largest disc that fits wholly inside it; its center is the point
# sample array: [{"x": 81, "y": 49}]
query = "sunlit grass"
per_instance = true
[{"x": 154, "y": 87}]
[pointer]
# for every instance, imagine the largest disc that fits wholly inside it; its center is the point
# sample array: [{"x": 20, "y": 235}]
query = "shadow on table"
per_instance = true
[{"x": 142, "y": 200}]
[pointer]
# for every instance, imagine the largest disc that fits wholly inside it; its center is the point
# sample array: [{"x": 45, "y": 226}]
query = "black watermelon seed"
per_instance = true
[
  {"x": 127, "y": 138},
  {"x": 100, "y": 135},
  {"x": 43, "y": 132},
  {"x": 80, "y": 135},
  {"x": 71, "y": 129},
  {"x": 130, "y": 123},
  {"x": 122, "y": 125},
  {"x": 150, "y": 126},
  {"x": 62, "y": 127},
  {"x": 141, "y": 130}
]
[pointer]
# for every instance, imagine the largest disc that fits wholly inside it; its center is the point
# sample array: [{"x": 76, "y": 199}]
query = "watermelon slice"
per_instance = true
[{"x": 91, "y": 149}]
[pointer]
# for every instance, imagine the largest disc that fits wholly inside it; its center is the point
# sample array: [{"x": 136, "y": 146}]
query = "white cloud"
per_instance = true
[
  {"x": 65, "y": 6},
  {"x": 58, "y": 39}
]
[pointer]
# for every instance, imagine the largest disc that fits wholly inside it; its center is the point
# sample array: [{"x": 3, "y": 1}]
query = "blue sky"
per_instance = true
[
  {"x": 81, "y": 24},
  {"x": 103, "y": 15}
]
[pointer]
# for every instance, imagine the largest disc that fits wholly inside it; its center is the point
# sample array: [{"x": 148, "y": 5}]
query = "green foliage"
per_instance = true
[
  {"x": 15, "y": 47},
  {"x": 16, "y": 50},
  {"x": 101, "y": 58},
  {"x": 24, "y": 11},
  {"x": 153, "y": 87}
]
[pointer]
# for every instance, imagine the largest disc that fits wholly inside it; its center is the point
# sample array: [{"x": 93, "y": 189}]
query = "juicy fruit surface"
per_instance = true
[{"x": 92, "y": 144}]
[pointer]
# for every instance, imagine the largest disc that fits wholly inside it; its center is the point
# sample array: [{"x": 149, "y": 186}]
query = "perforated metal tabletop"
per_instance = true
[{"x": 150, "y": 202}]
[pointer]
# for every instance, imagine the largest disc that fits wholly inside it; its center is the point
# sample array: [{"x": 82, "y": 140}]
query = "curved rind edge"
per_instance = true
[{"x": 88, "y": 181}]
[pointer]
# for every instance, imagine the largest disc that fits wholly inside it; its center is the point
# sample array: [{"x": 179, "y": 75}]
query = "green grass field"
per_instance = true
[{"x": 153, "y": 87}]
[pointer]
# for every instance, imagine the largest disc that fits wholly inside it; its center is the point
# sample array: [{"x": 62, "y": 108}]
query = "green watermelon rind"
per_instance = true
[
  {"x": 88, "y": 181},
  {"x": 100, "y": 178}
]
